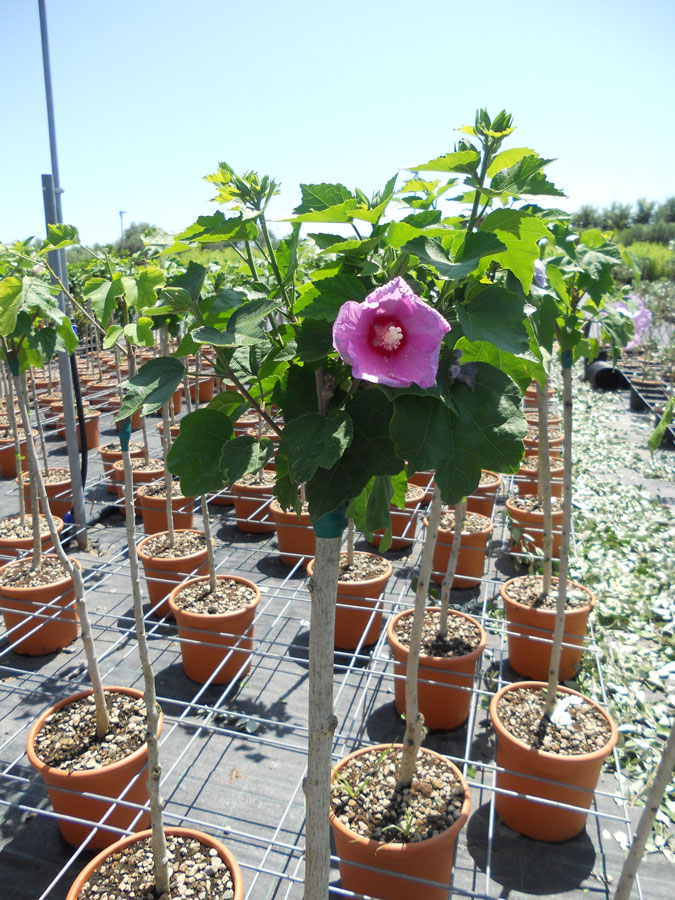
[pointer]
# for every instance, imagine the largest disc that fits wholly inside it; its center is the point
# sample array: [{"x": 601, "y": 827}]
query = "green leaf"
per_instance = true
[
  {"x": 112, "y": 335},
  {"x": 432, "y": 254},
  {"x": 192, "y": 279},
  {"x": 314, "y": 339},
  {"x": 321, "y": 197},
  {"x": 152, "y": 386},
  {"x": 10, "y": 303},
  {"x": 342, "y": 212},
  {"x": 231, "y": 403},
  {"x": 314, "y": 440},
  {"x": 195, "y": 454},
  {"x": 216, "y": 229},
  {"x": 323, "y": 298},
  {"x": 521, "y": 369},
  {"x": 244, "y": 326},
  {"x": 483, "y": 430},
  {"x": 67, "y": 337},
  {"x": 526, "y": 177},
  {"x": 130, "y": 290},
  {"x": 520, "y": 234},
  {"x": 140, "y": 333},
  {"x": 496, "y": 315},
  {"x": 243, "y": 456},
  {"x": 176, "y": 298},
  {"x": 508, "y": 158},
  {"x": 59, "y": 236},
  {"x": 147, "y": 282},
  {"x": 103, "y": 295},
  {"x": 371, "y": 452},
  {"x": 460, "y": 161}
]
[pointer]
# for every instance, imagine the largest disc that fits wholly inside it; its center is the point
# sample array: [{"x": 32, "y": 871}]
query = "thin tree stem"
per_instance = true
[
  {"x": 559, "y": 629},
  {"x": 544, "y": 486},
  {"x": 414, "y": 725},
  {"x": 74, "y": 571},
  {"x": 321, "y": 718},
  {"x": 166, "y": 444},
  {"x": 662, "y": 779},
  {"x": 33, "y": 471},
  {"x": 449, "y": 577},
  {"x": 350, "y": 542},
  {"x": 41, "y": 432},
  {"x": 213, "y": 584},
  {"x": 159, "y": 848},
  {"x": 9, "y": 405}
]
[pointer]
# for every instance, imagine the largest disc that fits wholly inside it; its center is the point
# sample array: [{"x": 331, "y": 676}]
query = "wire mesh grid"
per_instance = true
[{"x": 234, "y": 754}]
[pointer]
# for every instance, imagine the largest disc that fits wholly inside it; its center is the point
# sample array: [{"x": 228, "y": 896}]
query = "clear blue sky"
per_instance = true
[{"x": 151, "y": 94}]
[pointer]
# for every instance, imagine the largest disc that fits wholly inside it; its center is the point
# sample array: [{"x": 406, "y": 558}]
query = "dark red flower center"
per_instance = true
[{"x": 386, "y": 335}]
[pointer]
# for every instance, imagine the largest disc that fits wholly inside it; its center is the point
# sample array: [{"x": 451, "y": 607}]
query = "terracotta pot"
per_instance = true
[
  {"x": 91, "y": 429},
  {"x": 389, "y": 871},
  {"x": 403, "y": 523},
  {"x": 561, "y": 779},
  {"x": 59, "y": 494},
  {"x": 174, "y": 430},
  {"x": 43, "y": 617},
  {"x": 528, "y": 479},
  {"x": 532, "y": 419},
  {"x": 8, "y": 455},
  {"x": 244, "y": 424},
  {"x": 267, "y": 432},
  {"x": 425, "y": 480},
  {"x": 482, "y": 501},
  {"x": 138, "y": 477},
  {"x": 100, "y": 393},
  {"x": 177, "y": 400},
  {"x": 109, "y": 457},
  {"x": 358, "y": 620},
  {"x": 65, "y": 788},
  {"x": 530, "y": 634},
  {"x": 251, "y": 505},
  {"x": 295, "y": 535},
  {"x": 207, "y": 640},
  {"x": 153, "y": 511},
  {"x": 207, "y": 840},
  {"x": 531, "y": 528},
  {"x": 46, "y": 400},
  {"x": 532, "y": 444},
  {"x": 206, "y": 388},
  {"x": 13, "y": 547},
  {"x": 471, "y": 558},
  {"x": 530, "y": 397},
  {"x": 162, "y": 575},
  {"x": 444, "y": 684},
  {"x": 222, "y": 498}
]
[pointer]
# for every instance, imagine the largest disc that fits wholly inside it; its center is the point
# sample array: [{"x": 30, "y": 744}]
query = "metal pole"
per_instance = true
[
  {"x": 58, "y": 263},
  {"x": 122, "y": 211},
  {"x": 51, "y": 190}
]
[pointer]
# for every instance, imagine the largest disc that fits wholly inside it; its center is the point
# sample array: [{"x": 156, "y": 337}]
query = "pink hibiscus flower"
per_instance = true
[{"x": 391, "y": 338}]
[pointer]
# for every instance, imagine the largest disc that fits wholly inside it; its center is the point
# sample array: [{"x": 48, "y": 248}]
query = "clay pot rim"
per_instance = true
[
  {"x": 291, "y": 513},
  {"x": 491, "y": 484},
  {"x": 141, "y": 489},
  {"x": 528, "y": 512},
  {"x": 58, "y": 521},
  {"x": 213, "y": 617},
  {"x": 22, "y": 440},
  {"x": 25, "y": 476},
  {"x": 533, "y": 473},
  {"x": 465, "y": 533},
  {"x": 501, "y": 730},
  {"x": 206, "y": 839},
  {"x": 427, "y": 660},
  {"x": 44, "y": 769},
  {"x": 119, "y": 464},
  {"x": 157, "y": 559},
  {"x": 399, "y": 847},
  {"x": 253, "y": 488},
  {"x": 503, "y": 590},
  {"x": 28, "y": 590},
  {"x": 103, "y": 449},
  {"x": 384, "y": 576}
]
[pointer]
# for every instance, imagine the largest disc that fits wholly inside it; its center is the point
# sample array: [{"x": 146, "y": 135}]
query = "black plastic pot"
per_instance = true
[{"x": 604, "y": 376}]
